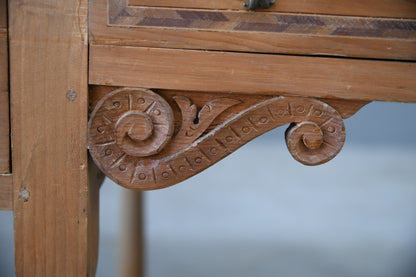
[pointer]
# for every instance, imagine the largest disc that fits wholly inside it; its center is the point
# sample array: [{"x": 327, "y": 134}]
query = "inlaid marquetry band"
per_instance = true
[
  {"x": 301, "y": 24},
  {"x": 132, "y": 137}
]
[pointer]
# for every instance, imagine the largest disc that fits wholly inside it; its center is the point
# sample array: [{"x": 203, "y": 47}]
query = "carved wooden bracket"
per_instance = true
[{"x": 142, "y": 141}]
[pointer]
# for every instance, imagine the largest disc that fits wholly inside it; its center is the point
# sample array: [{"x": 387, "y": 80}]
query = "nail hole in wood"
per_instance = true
[
  {"x": 24, "y": 194},
  {"x": 71, "y": 95}
]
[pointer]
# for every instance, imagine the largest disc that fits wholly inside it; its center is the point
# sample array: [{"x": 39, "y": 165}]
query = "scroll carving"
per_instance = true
[{"x": 134, "y": 140}]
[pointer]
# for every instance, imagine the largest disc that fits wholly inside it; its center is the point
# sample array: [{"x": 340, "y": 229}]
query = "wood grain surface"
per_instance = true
[
  {"x": 3, "y": 13},
  {"x": 131, "y": 258},
  {"x": 4, "y": 93},
  {"x": 55, "y": 210},
  {"x": 229, "y": 30},
  {"x": 6, "y": 192},
  {"x": 382, "y": 8},
  {"x": 253, "y": 73}
]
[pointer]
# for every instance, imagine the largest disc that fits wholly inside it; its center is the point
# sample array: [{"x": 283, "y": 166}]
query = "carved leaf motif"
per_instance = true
[{"x": 193, "y": 126}]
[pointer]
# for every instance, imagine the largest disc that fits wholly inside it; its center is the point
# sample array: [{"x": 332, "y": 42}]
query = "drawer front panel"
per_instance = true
[
  {"x": 379, "y": 8},
  {"x": 116, "y": 22},
  {"x": 231, "y": 21}
]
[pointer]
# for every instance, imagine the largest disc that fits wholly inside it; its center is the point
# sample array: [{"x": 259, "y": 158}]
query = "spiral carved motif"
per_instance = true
[
  {"x": 137, "y": 122},
  {"x": 131, "y": 134}
]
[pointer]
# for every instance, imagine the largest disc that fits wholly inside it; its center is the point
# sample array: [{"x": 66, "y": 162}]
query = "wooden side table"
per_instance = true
[{"x": 173, "y": 87}]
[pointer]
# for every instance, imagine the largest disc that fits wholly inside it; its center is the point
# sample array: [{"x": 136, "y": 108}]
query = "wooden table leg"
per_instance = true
[
  {"x": 55, "y": 217},
  {"x": 131, "y": 253}
]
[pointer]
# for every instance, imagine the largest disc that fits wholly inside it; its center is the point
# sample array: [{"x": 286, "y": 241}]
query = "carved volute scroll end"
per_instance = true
[
  {"x": 134, "y": 141},
  {"x": 313, "y": 144},
  {"x": 127, "y": 124},
  {"x": 310, "y": 144}
]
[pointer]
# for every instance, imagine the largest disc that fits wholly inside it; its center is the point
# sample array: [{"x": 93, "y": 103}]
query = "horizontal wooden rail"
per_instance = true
[{"x": 252, "y": 73}]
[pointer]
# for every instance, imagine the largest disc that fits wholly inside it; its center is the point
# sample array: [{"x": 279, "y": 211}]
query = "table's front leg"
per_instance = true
[{"x": 55, "y": 207}]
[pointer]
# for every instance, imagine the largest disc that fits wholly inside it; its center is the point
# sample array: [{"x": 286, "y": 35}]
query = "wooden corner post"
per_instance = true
[{"x": 55, "y": 209}]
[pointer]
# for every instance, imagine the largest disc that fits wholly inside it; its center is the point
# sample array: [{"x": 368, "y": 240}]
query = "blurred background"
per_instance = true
[{"x": 260, "y": 213}]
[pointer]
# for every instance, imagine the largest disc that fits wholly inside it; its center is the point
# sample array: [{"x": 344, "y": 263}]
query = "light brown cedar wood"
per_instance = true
[
  {"x": 95, "y": 179},
  {"x": 6, "y": 195},
  {"x": 285, "y": 43},
  {"x": 383, "y": 8},
  {"x": 3, "y": 14},
  {"x": 253, "y": 73},
  {"x": 197, "y": 98},
  {"x": 55, "y": 214},
  {"x": 131, "y": 244},
  {"x": 4, "y": 106},
  {"x": 346, "y": 108},
  {"x": 140, "y": 163},
  {"x": 4, "y": 94},
  {"x": 6, "y": 200}
]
